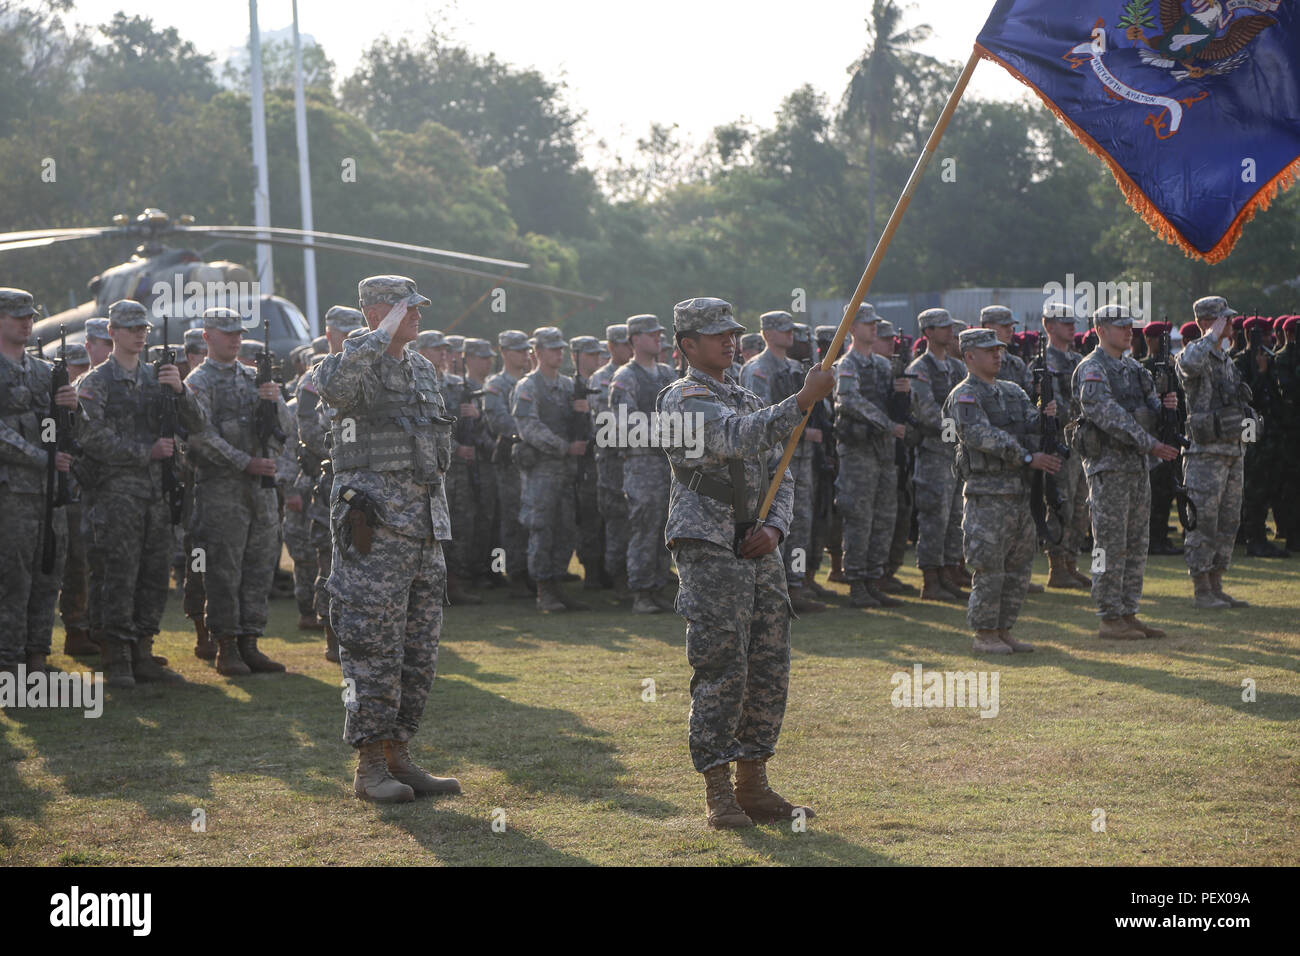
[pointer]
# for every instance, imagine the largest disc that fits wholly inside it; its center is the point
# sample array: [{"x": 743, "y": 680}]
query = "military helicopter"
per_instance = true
[{"x": 178, "y": 283}]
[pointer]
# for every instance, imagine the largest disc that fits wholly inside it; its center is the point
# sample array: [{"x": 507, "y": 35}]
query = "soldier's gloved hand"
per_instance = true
[
  {"x": 393, "y": 319},
  {"x": 761, "y": 540},
  {"x": 816, "y": 386},
  {"x": 66, "y": 397},
  {"x": 269, "y": 391},
  {"x": 1164, "y": 452},
  {"x": 162, "y": 448},
  {"x": 1045, "y": 462},
  {"x": 170, "y": 376}
]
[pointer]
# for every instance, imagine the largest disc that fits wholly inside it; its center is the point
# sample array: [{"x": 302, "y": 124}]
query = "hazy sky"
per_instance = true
[{"x": 696, "y": 63}]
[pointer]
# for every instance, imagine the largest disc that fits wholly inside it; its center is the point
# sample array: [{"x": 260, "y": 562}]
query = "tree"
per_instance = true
[
  {"x": 137, "y": 57},
  {"x": 38, "y": 60},
  {"x": 277, "y": 68}
]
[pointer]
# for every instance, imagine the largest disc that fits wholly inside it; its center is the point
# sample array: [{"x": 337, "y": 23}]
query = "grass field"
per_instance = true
[{"x": 542, "y": 718}]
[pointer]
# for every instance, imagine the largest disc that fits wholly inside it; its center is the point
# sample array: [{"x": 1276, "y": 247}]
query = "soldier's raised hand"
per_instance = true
[{"x": 816, "y": 386}]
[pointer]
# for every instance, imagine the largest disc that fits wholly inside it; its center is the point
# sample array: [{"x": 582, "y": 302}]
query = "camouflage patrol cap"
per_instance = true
[
  {"x": 826, "y": 331},
  {"x": 222, "y": 319},
  {"x": 934, "y": 319},
  {"x": 979, "y": 339},
  {"x": 884, "y": 330},
  {"x": 705, "y": 315},
  {"x": 642, "y": 325},
  {"x": 250, "y": 348},
  {"x": 512, "y": 340},
  {"x": 802, "y": 332},
  {"x": 866, "y": 313},
  {"x": 776, "y": 322},
  {"x": 548, "y": 337},
  {"x": 996, "y": 314},
  {"x": 128, "y": 314},
  {"x": 1211, "y": 307},
  {"x": 1058, "y": 312},
  {"x": 16, "y": 303},
  {"x": 455, "y": 343},
  {"x": 321, "y": 345},
  {"x": 752, "y": 340},
  {"x": 98, "y": 329},
  {"x": 194, "y": 341},
  {"x": 616, "y": 334},
  {"x": 389, "y": 290},
  {"x": 585, "y": 343},
  {"x": 74, "y": 354},
  {"x": 478, "y": 348},
  {"x": 1112, "y": 315},
  {"x": 343, "y": 318},
  {"x": 429, "y": 339}
]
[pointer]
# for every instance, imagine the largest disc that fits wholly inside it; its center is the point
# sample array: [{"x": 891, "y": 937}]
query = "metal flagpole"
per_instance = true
[
  {"x": 262, "y": 193},
  {"x": 304, "y": 181}
]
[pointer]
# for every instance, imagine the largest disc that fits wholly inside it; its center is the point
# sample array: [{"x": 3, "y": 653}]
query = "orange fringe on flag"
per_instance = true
[{"x": 1138, "y": 199}]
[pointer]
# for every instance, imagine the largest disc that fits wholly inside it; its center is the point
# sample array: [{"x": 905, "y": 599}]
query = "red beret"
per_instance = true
[
  {"x": 1190, "y": 332},
  {"x": 1029, "y": 337},
  {"x": 1279, "y": 323},
  {"x": 1238, "y": 321},
  {"x": 1258, "y": 323},
  {"x": 1154, "y": 330},
  {"x": 1078, "y": 338},
  {"x": 1292, "y": 321}
]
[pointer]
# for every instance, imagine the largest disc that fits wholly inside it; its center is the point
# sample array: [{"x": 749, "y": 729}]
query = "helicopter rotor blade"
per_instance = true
[
  {"x": 243, "y": 231},
  {"x": 394, "y": 257},
  {"x": 35, "y": 243},
  {"x": 85, "y": 231}
]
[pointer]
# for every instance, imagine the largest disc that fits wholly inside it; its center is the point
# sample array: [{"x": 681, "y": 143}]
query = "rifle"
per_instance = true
[
  {"x": 1169, "y": 431},
  {"x": 56, "y": 482},
  {"x": 580, "y": 430},
  {"x": 1045, "y": 492},
  {"x": 466, "y": 432},
  {"x": 267, "y": 419},
  {"x": 173, "y": 490}
]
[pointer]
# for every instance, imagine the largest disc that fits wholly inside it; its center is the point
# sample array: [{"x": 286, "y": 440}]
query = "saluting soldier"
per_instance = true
[
  {"x": 127, "y": 513},
  {"x": 733, "y": 584},
  {"x": 1119, "y": 407},
  {"x": 390, "y": 443},
  {"x": 995, "y": 421}
]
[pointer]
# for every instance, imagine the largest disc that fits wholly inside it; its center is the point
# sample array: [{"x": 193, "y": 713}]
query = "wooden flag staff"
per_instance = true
[{"x": 874, "y": 265}]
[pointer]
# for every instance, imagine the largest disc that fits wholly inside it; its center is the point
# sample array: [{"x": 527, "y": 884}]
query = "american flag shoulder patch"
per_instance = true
[
  {"x": 966, "y": 398},
  {"x": 696, "y": 391},
  {"x": 85, "y": 393},
  {"x": 759, "y": 373},
  {"x": 1091, "y": 376}
]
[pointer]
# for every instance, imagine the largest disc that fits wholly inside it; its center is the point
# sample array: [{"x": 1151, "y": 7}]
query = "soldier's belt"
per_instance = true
[{"x": 697, "y": 481}]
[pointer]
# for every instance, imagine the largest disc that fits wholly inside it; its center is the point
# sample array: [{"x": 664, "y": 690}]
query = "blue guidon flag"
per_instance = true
[{"x": 1194, "y": 104}]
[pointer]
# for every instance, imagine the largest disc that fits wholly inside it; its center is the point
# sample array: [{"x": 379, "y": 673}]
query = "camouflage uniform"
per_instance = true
[
  {"x": 866, "y": 489},
  {"x": 1119, "y": 407},
  {"x": 236, "y": 519},
  {"x": 1070, "y": 480},
  {"x": 938, "y": 492},
  {"x": 499, "y": 392},
  {"x": 645, "y": 470},
  {"x": 610, "y": 499},
  {"x": 773, "y": 379},
  {"x": 461, "y": 486},
  {"x": 386, "y": 606},
  {"x": 313, "y": 453},
  {"x": 994, "y": 422},
  {"x": 737, "y": 610},
  {"x": 27, "y": 595},
  {"x": 543, "y": 413},
  {"x": 486, "y": 521},
  {"x": 296, "y": 527},
  {"x": 1217, "y": 401}
]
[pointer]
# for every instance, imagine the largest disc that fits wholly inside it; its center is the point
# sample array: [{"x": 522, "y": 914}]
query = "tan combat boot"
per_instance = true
[
  {"x": 425, "y": 784},
  {"x": 933, "y": 589},
  {"x": 1117, "y": 629},
  {"x": 720, "y": 799},
  {"x": 76, "y": 642},
  {"x": 951, "y": 577},
  {"x": 457, "y": 594},
  {"x": 1147, "y": 630},
  {"x": 1072, "y": 564},
  {"x": 1020, "y": 647},
  {"x": 146, "y": 669},
  {"x": 810, "y": 582},
  {"x": 117, "y": 658},
  {"x": 257, "y": 662},
  {"x": 859, "y": 596},
  {"x": 1059, "y": 575},
  {"x": 309, "y": 622},
  {"x": 760, "y": 802},
  {"x": 373, "y": 781},
  {"x": 229, "y": 663},
  {"x": 803, "y": 604},
  {"x": 331, "y": 645},
  {"x": 547, "y": 599},
  {"x": 1205, "y": 597},
  {"x": 989, "y": 641},
  {"x": 205, "y": 648},
  {"x": 1216, "y": 585},
  {"x": 878, "y": 592},
  {"x": 645, "y": 603}
]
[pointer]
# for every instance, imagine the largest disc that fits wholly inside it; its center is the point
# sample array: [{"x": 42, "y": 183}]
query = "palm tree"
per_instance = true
[{"x": 872, "y": 80}]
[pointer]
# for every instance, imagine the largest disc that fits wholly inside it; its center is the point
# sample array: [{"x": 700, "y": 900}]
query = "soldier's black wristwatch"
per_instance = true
[{"x": 1029, "y": 458}]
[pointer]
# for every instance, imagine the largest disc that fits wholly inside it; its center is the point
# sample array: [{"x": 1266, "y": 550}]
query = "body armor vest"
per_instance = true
[
  {"x": 1008, "y": 416},
  {"x": 22, "y": 410},
  {"x": 404, "y": 428}
]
